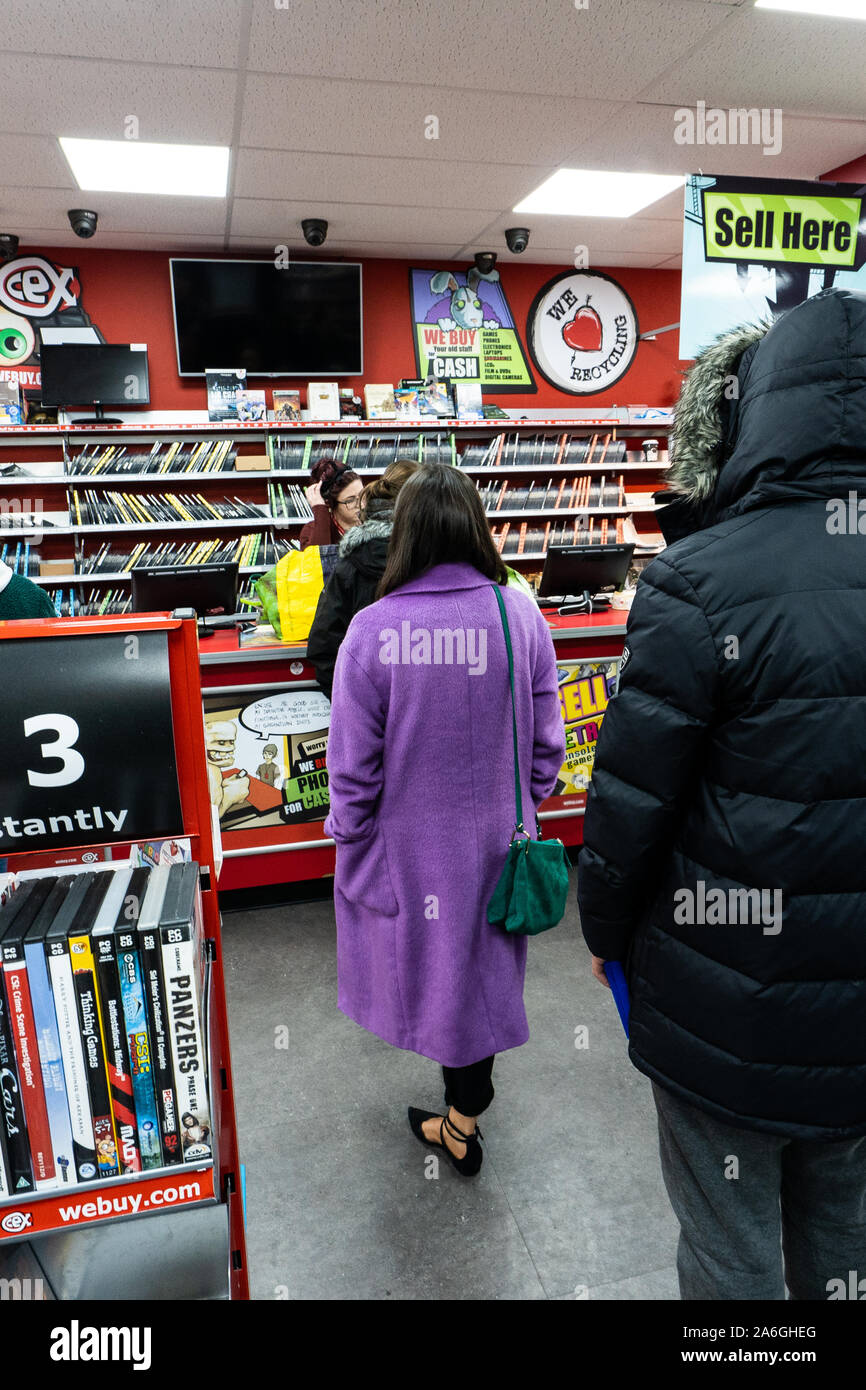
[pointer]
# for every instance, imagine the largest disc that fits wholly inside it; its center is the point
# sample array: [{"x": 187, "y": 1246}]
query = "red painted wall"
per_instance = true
[{"x": 127, "y": 295}]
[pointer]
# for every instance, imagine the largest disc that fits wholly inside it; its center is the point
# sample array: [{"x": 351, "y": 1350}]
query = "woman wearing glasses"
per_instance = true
[
  {"x": 335, "y": 496},
  {"x": 353, "y": 581}
]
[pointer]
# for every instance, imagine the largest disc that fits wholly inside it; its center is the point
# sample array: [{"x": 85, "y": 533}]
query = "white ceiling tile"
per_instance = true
[
  {"x": 160, "y": 31},
  {"x": 23, "y": 208},
  {"x": 805, "y": 63},
  {"x": 548, "y": 233},
  {"x": 34, "y": 161},
  {"x": 281, "y": 220},
  {"x": 547, "y": 46},
  {"x": 641, "y": 137},
  {"x": 72, "y": 96},
  {"x": 383, "y": 179},
  {"x": 373, "y": 118}
]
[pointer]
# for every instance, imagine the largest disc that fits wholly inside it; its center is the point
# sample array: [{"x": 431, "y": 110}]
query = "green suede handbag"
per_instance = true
[{"x": 531, "y": 894}]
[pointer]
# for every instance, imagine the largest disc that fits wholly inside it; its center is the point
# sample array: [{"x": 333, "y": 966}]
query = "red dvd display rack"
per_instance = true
[{"x": 107, "y": 753}]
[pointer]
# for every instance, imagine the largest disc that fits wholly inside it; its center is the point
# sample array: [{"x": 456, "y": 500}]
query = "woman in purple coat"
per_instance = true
[{"x": 421, "y": 765}]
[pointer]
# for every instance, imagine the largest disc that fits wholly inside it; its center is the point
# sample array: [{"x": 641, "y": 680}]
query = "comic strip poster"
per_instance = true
[
  {"x": 266, "y": 758},
  {"x": 585, "y": 689},
  {"x": 464, "y": 330}
]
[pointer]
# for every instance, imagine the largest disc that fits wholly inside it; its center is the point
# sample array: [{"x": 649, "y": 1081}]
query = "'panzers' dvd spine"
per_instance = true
[{"x": 180, "y": 969}]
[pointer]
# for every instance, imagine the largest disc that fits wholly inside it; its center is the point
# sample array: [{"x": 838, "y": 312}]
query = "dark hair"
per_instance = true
[
  {"x": 381, "y": 494},
  {"x": 439, "y": 518},
  {"x": 333, "y": 478}
]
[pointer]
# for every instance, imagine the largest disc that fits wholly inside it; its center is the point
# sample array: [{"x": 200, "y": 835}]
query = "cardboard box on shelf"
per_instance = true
[
  {"x": 252, "y": 463},
  {"x": 49, "y": 568}
]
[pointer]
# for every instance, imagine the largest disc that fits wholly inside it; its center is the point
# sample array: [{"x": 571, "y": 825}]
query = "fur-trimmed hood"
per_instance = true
[
  {"x": 772, "y": 412},
  {"x": 373, "y": 529},
  {"x": 703, "y": 415}
]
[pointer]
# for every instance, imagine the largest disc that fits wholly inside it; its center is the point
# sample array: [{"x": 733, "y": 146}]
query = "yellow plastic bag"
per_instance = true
[{"x": 299, "y": 584}]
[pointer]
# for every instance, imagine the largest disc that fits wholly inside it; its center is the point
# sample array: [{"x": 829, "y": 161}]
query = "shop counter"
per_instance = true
[{"x": 266, "y": 731}]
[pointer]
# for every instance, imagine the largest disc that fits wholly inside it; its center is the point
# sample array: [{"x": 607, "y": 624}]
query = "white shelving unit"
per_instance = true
[{"x": 46, "y": 475}]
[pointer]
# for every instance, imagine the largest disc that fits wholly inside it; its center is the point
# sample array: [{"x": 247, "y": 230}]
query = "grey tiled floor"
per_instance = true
[{"x": 569, "y": 1203}]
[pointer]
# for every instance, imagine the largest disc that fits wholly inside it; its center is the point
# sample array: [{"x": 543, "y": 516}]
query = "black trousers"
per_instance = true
[{"x": 469, "y": 1089}]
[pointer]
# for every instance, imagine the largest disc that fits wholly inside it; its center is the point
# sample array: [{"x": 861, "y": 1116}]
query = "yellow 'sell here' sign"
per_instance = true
[{"x": 772, "y": 228}]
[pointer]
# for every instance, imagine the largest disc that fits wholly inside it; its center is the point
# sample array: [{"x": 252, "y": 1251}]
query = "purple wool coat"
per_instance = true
[{"x": 421, "y": 768}]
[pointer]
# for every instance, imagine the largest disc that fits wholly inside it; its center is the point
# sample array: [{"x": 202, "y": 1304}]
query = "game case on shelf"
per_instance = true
[
  {"x": 69, "y": 1032},
  {"x": 135, "y": 1016},
  {"x": 287, "y": 405},
  {"x": 150, "y": 955},
  {"x": 251, "y": 405},
  {"x": 92, "y": 1033},
  {"x": 379, "y": 401},
  {"x": 115, "y": 907},
  {"x": 45, "y": 1017},
  {"x": 223, "y": 388},
  {"x": 183, "y": 956},
  {"x": 25, "y": 907}
]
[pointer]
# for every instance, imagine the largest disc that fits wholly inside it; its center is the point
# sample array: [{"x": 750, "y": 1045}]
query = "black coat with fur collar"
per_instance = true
[
  {"x": 725, "y": 832},
  {"x": 350, "y": 587}
]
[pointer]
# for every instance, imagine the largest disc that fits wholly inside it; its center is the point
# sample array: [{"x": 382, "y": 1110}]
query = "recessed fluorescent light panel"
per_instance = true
[
  {"x": 598, "y": 193},
  {"x": 827, "y": 9},
  {"x": 136, "y": 166}
]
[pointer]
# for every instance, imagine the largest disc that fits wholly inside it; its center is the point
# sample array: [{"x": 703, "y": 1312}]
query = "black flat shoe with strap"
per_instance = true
[{"x": 467, "y": 1166}]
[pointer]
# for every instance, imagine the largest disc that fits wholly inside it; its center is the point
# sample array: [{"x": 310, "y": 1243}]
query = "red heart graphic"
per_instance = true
[{"x": 583, "y": 333}]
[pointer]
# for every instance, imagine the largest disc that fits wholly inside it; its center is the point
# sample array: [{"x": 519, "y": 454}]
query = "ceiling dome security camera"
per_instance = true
[
  {"x": 8, "y": 246},
  {"x": 517, "y": 239},
  {"x": 485, "y": 261},
  {"x": 83, "y": 222},
  {"x": 315, "y": 229}
]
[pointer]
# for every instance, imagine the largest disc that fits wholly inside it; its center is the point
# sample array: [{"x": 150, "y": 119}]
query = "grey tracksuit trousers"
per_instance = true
[{"x": 758, "y": 1211}]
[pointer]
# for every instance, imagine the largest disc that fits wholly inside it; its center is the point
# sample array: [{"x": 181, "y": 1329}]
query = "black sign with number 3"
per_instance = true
[{"x": 88, "y": 744}]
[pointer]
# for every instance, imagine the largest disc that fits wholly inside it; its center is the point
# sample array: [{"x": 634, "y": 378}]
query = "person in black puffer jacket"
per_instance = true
[
  {"x": 360, "y": 565},
  {"x": 724, "y": 855}
]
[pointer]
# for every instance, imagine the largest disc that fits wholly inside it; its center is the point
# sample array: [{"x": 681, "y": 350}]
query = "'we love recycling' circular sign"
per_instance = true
[{"x": 582, "y": 332}]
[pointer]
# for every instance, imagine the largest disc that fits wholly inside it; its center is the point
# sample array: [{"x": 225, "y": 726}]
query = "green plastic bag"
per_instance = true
[{"x": 266, "y": 588}]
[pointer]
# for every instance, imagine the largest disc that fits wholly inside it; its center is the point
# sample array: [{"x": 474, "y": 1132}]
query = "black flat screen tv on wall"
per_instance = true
[{"x": 304, "y": 319}]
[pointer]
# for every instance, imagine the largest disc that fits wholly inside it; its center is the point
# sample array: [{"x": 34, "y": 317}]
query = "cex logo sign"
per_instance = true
[
  {"x": 32, "y": 286},
  {"x": 15, "y": 1221}
]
